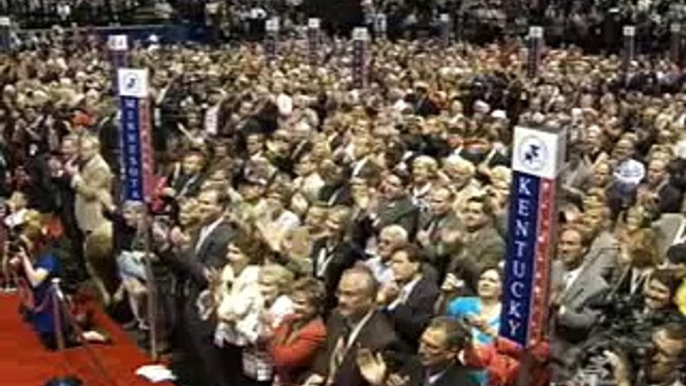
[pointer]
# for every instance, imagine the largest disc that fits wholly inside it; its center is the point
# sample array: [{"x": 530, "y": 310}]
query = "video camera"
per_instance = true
[{"x": 622, "y": 329}]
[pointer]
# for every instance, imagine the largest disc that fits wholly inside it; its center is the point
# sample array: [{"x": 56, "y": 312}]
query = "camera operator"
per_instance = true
[
  {"x": 664, "y": 361},
  {"x": 36, "y": 265},
  {"x": 659, "y": 297},
  {"x": 627, "y": 322}
]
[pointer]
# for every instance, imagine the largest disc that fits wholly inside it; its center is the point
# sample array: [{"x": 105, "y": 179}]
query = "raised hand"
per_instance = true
[{"x": 372, "y": 367}]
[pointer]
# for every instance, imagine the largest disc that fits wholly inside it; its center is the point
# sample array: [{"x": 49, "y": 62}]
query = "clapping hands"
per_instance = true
[
  {"x": 375, "y": 371},
  {"x": 372, "y": 367}
]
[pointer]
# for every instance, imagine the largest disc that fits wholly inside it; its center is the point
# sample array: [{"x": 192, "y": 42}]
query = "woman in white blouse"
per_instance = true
[
  {"x": 237, "y": 296},
  {"x": 273, "y": 306}
]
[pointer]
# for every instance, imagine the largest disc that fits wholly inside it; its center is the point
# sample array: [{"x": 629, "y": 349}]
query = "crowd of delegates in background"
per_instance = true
[
  {"x": 594, "y": 25},
  {"x": 306, "y": 232}
]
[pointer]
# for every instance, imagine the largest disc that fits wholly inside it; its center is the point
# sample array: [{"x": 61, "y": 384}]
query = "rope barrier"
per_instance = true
[
  {"x": 63, "y": 308},
  {"x": 61, "y": 313}
]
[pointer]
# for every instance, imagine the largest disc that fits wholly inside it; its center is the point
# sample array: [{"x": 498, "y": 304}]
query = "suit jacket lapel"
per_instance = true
[
  {"x": 579, "y": 285},
  {"x": 202, "y": 251}
]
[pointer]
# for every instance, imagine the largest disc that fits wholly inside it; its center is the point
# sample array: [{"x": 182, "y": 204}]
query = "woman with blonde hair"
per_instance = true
[
  {"x": 272, "y": 305},
  {"x": 629, "y": 222},
  {"x": 642, "y": 257}
]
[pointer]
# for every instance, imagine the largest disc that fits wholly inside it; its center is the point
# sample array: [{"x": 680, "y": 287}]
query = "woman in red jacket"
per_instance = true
[{"x": 299, "y": 337}]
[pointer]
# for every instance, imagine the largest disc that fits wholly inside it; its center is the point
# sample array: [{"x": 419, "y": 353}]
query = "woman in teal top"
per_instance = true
[{"x": 482, "y": 312}]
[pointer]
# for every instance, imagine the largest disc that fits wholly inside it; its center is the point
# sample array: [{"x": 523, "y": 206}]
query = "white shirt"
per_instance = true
[
  {"x": 285, "y": 104},
  {"x": 359, "y": 165},
  {"x": 243, "y": 302},
  {"x": 324, "y": 258},
  {"x": 205, "y": 232},
  {"x": 571, "y": 276},
  {"x": 310, "y": 185},
  {"x": 212, "y": 120},
  {"x": 434, "y": 378},
  {"x": 15, "y": 219},
  {"x": 382, "y": 271},
  {"x": 639, "y": 276},
  {"x": 405, "y": 293},
  {"x": 355, "y": 331},
  {"x": 680, "y": 234}
]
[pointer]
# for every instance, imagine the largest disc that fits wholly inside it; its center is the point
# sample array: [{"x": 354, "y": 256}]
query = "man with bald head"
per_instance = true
[{"x": 355, "y": 325}]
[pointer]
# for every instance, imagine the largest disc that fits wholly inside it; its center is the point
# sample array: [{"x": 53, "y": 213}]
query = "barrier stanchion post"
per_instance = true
[
  {"x": 57, "y": 298},
  {"x": 360, "y": 57},
  {"x": 534, "y": 52},
  {"x": 314, "y": 38},
  {"x": 675, "y": 43}
]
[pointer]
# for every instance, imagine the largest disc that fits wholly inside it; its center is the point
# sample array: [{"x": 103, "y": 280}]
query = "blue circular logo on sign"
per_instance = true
[
  {"x": 533, "y": 153},
  {"x": 131, "y": 82}
]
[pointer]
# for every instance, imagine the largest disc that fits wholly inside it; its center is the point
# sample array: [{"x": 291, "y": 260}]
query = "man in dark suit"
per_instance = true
[
  {"x": 205, "y": 255},
  {"x": 186, "y": 180},
  {"x": 65, "y": 196},
  {"x": 356, "y": 325},
  {"x": 396, "y": 206},
  {"x": 336, "y": 189},
  {"x": 438, "y": 362},
  {"x": 576, "y": 284},
  {"x": 657, "y": 191},
  {"x": 363, "y": 163},
  {"x": 410, "y": 302}
]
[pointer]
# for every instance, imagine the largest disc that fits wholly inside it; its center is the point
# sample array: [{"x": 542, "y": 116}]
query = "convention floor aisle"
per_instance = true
[{"x": 24, "y": 362}]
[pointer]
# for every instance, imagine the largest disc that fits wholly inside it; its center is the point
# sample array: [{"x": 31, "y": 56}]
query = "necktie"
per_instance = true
[{"x": 338, "y": 354}]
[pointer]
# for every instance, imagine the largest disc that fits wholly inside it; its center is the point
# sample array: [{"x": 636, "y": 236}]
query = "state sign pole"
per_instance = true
[
  {"x": 314, "y": 38},
  {"x": 538, "y": 158},
  {"x": 381, "y": 26},
  {"x": 360, "y": 57},
  {"x": 5, "y": 34},
  {"x": 675, "y": 43},
  {"x": 136, "y": 139},
  {"x": 446, "y": 29},
  {"x": 535, "y": 48},
  {"x": 629, "y": 51},
  {"x": 271, "y": 39},
  {"x": 118, "y": 47}
]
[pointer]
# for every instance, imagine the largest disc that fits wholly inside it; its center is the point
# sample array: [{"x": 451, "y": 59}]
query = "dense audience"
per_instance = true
[{"x": 309, "y": 233}]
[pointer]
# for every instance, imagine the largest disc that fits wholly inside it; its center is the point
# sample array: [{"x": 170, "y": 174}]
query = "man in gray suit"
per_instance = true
[
  {"x": 576, "y": 283},
  {"x": 671, "y": 230},
  {"x": 482, "y": 247},
  {"x": 604, "y": 250}
]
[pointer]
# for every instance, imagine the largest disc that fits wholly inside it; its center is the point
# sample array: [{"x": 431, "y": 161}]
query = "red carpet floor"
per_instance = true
[{"x": 24, "y": 361}]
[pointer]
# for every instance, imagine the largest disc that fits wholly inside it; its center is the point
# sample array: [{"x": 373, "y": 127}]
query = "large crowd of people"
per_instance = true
[{"x": 306, "y": 232}]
